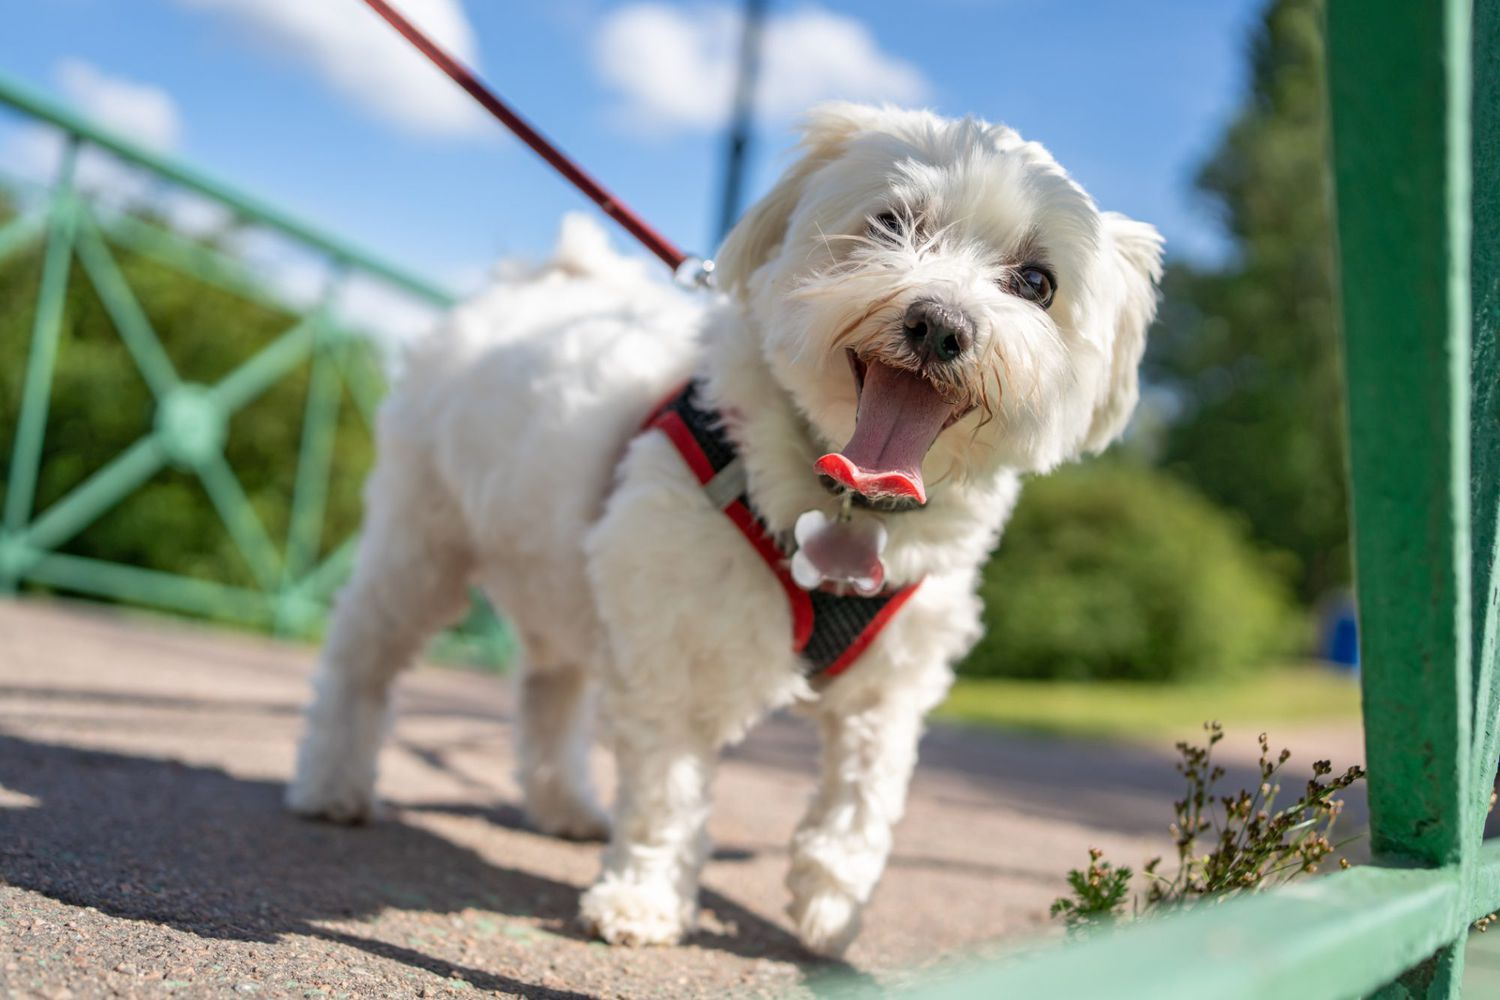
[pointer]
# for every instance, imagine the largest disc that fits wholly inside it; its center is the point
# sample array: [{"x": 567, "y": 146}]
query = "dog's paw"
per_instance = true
[
  {"x": 632, "y": 915},
  {"x": 827, "y": 921},
  {"x": 346, "y": 802},
  {"x": 568, "y": 817}
]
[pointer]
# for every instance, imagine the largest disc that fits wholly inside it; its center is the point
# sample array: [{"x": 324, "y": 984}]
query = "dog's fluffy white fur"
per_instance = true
[{"x": 510, "y": 456}]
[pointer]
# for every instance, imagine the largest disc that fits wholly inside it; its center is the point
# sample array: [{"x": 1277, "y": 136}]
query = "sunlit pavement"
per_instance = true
[{"x": 143, "y": 849}]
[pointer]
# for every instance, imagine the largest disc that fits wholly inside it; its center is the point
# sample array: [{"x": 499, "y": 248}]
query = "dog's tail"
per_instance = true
[{"x": 583, "y": 251}]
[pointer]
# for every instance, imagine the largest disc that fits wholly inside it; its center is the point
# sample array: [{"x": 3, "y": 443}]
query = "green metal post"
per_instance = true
[
  {"x": 96, "y": 494},
  {"x": 239, "y": 516},
  {"x": 267, "y": 367},
  {"x": 1486, "y": 389},
  {"x": 26, "y": 453},
  {"x": 196, "y": 260},
  {"x": 124, "y": 311},
  {"x": 324, "y": 579},
  {"x": 131, "y": 583},
  {"x": 1399, "y": 76},
  {"x": 314, "y": 464}
]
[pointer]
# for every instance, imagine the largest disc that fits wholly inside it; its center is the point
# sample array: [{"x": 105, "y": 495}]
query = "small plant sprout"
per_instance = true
[
  {"x": 1226, "y": 844},
  {"x": 1098, "y": 894}
]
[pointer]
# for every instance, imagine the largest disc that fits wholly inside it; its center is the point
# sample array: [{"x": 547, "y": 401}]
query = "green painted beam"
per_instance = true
[
  {"x": 1398, "y": 78},
  {"x": 104, "y": 488},
  {"x": 38, "y": 105},
  {"x": 1339, "y": 936},
  {"x": 1485, "y": 380},
  {"x": 135, "y": 585},
  {"x": 314, "y": 462},
  {"x": 125, "y": 312},
  {"x": 196, "y": 260},
  {"x": 324, "y": 580},
  {"x": 46, "y": 330},
  {"x": 244, "y": 524},
  {"x": 268, "y": 366}
]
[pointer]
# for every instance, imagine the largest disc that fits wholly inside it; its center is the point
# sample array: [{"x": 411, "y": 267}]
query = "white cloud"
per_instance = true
[
  {"x": 144, "y": 113},
  {"x": 366, "y": 61},
  {"x": 674, "y": 67},
  {"x": 141, "y": 112},
  {"x": 193, "y": 214}
]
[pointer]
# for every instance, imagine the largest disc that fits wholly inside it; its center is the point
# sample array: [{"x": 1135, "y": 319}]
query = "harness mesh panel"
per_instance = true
[
  {"x": 706, "y": 428},
  {"x": 838, "y": 619}
]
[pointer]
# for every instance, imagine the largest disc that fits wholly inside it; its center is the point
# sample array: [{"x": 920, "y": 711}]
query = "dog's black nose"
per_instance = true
[{"x": 939, "y": 332}]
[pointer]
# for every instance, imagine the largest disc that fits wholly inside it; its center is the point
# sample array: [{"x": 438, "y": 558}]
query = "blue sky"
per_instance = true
[{"x": 305, "y": 103}]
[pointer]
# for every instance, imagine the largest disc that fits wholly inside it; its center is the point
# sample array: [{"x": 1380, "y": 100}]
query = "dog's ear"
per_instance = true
[
  {"x": 759, "y": 232},
  {"x": 1134, "y": 249}
]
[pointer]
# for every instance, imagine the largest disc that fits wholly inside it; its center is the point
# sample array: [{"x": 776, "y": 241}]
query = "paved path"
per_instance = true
[{"x": 143, "y": 850}]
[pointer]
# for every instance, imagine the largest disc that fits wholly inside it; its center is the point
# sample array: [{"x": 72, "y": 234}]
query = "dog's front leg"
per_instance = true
[
  {"x": 648, "y": 890},
  {"x": 841, "y": 846}
]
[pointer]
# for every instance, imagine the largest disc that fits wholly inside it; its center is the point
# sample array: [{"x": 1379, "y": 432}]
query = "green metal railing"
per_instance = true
[
  {"x": 293, "y": 577},
  {"x": 1415, "y": 100}
]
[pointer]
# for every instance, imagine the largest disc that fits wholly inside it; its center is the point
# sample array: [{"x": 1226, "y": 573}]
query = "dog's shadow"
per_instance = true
[{"x": 205, "y": 852}]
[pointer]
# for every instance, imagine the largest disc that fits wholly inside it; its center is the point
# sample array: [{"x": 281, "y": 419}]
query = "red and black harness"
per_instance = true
[{"x": 830, "y": 629}]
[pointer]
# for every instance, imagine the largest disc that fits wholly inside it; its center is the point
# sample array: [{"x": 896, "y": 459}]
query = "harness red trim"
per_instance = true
[
  {"x": 692, "y": 453},
  {"x": 877, "y": 625},
  {"x": 805, "y": 616}
]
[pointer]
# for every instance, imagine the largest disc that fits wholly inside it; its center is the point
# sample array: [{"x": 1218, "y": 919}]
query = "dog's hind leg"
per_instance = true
[
  {"x": 553, "y": 744},
  {"x": 410, "y": 578}
]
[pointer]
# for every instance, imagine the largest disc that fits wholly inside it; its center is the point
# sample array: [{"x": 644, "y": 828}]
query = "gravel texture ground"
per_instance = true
[{"x": 143, "y": 850}]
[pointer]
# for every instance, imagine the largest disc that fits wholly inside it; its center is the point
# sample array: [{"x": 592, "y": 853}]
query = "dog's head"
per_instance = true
[{"x": 943, "y": 297}]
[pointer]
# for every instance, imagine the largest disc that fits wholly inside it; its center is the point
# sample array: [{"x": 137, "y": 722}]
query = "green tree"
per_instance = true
[{"x": 1249, "y": 352}]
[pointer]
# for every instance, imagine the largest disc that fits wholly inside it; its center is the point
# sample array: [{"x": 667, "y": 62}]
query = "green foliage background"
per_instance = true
[
  {"x": 1120, "y": 573},
  {"x": 1250, "y": 351},
  {"x": 1113, "y": 571}
]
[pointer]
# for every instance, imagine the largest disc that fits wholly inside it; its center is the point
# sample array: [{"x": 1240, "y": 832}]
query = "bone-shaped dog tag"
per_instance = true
[{"x": 839, "y": 551}]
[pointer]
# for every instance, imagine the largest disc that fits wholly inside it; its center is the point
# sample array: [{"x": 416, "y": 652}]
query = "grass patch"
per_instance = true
[{"x": 1134, "y": 710}]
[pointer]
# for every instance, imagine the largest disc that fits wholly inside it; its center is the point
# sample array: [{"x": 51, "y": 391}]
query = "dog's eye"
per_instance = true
[
  {"x": 1036, "y": 283},
  {"x": 888, "y": 227}
]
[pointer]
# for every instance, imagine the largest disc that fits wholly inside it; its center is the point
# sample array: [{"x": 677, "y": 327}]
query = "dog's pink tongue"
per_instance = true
[{"x": 900, "y": 415}]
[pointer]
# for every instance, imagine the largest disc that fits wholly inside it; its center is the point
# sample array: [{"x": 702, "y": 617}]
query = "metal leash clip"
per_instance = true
[{"x": 694, "y": 273}]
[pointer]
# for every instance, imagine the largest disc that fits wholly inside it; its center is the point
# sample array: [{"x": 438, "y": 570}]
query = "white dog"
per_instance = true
[{"x": 936, "y": 296}]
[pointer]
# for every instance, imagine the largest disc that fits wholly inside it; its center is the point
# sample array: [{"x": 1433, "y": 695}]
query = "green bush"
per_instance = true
[{"x": 1113, "y": 570}]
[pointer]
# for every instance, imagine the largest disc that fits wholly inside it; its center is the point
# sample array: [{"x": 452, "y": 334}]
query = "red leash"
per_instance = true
[{"x": 465, "y": 78}]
